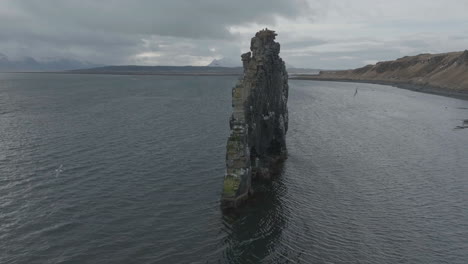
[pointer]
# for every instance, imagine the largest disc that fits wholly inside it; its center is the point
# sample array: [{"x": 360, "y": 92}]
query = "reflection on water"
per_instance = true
[{"x": 254, "y": 230}]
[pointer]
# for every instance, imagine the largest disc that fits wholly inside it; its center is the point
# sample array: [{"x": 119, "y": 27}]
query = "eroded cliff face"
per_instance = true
[{"x": 259, "y": 121}]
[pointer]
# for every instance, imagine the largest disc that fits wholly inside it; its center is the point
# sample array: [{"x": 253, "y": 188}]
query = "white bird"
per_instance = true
[{"x": 58, "y": 170}]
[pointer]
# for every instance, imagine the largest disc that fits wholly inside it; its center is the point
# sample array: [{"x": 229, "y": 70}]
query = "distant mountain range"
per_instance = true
[
  {"x": 161, "y": 70},
  {"x": 178, "y": 70},
  {"x": 31, "y": 64},
  {"x": 222, "y": 66}
]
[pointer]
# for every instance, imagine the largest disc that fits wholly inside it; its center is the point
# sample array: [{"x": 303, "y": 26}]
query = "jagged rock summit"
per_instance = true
[{"x": 259, "y": 121}]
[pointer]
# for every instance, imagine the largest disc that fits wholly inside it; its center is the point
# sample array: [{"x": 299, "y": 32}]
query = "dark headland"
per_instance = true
[{"x": 443, "y": 74}]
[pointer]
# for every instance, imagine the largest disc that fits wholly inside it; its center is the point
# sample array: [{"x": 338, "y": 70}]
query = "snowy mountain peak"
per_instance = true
[{"x": 224, "y": 62}]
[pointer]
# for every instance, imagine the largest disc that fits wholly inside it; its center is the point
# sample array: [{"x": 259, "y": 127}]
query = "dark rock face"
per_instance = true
[{"x": 259, "y": 121}]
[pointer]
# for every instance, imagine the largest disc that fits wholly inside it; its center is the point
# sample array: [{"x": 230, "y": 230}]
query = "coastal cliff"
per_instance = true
[
  {"x": 259, "y": 121},
  {"x": 441, "y": 72}
]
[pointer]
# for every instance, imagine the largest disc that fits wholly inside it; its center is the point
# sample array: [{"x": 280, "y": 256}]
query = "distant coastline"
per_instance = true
[
  {"x": 131, "y": 73},
  {"x": 423, "y": 88},
  {"x": 442, "y": 74},
  {"x": 168, "y": 70}
]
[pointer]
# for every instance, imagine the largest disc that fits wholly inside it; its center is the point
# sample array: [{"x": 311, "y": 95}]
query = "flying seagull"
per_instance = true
[{"x": 58, "y": 170}]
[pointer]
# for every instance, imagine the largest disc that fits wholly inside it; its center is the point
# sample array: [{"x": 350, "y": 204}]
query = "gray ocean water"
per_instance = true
[{"x": 128, "y": 169}]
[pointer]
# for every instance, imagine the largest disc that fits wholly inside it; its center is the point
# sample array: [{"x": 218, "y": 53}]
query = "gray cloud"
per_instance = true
[
  {"x": 358, "y": 52},
  {"x": 114, "y": 30},
  {"x": 179, "y": 18},
  {"x": 312, "y": 33},
  {"x": 303, "y": 43}
]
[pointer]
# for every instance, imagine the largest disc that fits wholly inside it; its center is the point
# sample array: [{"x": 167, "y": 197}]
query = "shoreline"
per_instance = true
[
  {"x": 137, "y": 73},
  {"x": 423, "y": 88}
]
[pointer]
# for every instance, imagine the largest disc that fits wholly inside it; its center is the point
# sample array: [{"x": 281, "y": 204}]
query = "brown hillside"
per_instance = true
[{"x": 446, "y": 70}]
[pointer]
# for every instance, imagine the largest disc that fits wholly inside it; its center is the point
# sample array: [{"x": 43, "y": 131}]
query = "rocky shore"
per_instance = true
[
  {"x": 443, "y": 74},
  {"x": 423, "y": 88},
  {"x": 259, "y": 121}
]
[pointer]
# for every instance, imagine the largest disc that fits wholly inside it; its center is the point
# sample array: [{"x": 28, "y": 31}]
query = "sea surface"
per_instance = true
[{"x": 129, "y": 169}]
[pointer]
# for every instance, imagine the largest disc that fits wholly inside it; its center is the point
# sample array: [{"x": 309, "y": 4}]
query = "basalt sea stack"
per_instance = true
[{"x": 259, "y": 121}]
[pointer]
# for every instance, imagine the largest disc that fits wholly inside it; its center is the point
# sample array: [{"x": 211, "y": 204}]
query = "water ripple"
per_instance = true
[{"x": 377, "y": 178}]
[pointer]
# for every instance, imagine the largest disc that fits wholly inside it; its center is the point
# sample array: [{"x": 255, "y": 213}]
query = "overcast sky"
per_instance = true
[{"x": 313, "y": 33}]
